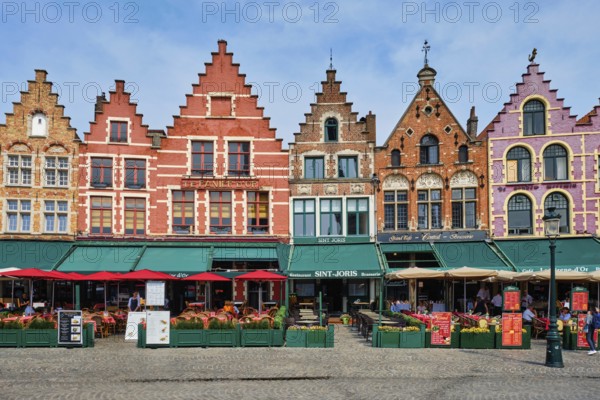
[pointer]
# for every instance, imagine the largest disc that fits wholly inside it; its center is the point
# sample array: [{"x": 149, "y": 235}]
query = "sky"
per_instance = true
[{"x": 479, "y": 49}]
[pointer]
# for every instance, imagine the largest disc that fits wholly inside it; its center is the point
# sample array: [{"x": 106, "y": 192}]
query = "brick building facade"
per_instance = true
[{"x": 38, "y": 177}]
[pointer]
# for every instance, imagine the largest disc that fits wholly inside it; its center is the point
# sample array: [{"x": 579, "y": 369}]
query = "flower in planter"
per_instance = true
[
  {"x": 411, "y": 329},
  {"x": 390, "y": 329},
  {"x": 475, "y": 330}
]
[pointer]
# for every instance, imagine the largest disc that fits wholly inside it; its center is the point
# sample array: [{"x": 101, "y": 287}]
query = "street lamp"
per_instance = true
[
  {"x": 553, "y": 350},
  {"x": 375, "y": 182}
]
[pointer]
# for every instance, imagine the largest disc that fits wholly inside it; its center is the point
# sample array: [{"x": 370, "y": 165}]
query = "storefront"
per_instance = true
[{"x": 343, "y": 274}]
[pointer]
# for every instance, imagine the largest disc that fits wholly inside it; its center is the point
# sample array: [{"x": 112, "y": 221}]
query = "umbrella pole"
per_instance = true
[
  {"x": 380, "y": 300},
  {"x": 12, "y": 296},
  {"x": 104, "y": 296},
  {"x": 259, "y": 297},
  {"x": 73, "y": 293},
  {"x": 52, "y": 307},
  {"x": 31, "y": 293},
  {"x": 465, "y": 294},
  {"x": 205, "y": 296}
]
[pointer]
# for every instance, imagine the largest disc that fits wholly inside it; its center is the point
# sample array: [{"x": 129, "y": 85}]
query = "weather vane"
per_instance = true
[
  {"x": 330, "y": 58},
  {"x": 532, "y": 55},
  {"x": 426, "y": 48}
]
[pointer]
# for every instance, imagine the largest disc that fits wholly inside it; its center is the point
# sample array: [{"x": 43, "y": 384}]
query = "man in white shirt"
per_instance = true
[
  {"x": 528, "y": 315},
  {"x": 484, "y": 293},
  {"x": 497, "y": 303},
  {"x": 526, "y": 301}
]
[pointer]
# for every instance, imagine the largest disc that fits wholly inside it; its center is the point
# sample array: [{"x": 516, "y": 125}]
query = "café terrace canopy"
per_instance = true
[
  {"x": 469, "y": 254},
  {"x": 93, "y": 258},
  {"x": 31, "y": 254},
  {"x": 177, "y": 261},
  {"x": 577, "y": 255},
  {"x": 350, "y": 261}
]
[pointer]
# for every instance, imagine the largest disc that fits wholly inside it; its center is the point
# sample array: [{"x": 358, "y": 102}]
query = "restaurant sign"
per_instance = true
[
  {"x": 219, "y": 183},
  {"x": 70, "y": 328},
  {"x": 446, "y": 236},
  {"x": 334, "y": 274}
]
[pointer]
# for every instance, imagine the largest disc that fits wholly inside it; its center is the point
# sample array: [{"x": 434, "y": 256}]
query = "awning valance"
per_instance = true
[
  {"x": 40, "y": 254},
  {"x": 469, "y": 254},
  {"x": 177, "y": 261},
  {"x": 88, "y": 259},
  {"x": 351, "y": 261}
]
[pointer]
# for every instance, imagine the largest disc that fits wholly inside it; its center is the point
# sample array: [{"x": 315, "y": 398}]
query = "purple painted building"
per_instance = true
[{"x": 541, "y": 156}]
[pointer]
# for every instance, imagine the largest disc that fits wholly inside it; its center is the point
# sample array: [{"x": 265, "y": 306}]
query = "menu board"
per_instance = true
[
  {"x": 70, "y": 328},
  {"x": 441, "y": 328},
  {"x": 155, "y": 293},
  {"x": 512, "y": 329},
  {"x": 158, "y": 326},
  {"x": 581, "y": 341},
  {"x": 579, "y": 300},
  {"x": 133, "y": 319},
  {"x": 511, "y": 300}
]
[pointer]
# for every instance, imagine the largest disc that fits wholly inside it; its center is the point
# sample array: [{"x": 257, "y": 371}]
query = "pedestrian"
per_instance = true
[
  {"x": 135, "y": 302},
  {"x": 497, "y": 303},
  {"x": 480, "y": 307},
  {"x": 526, "y": 301},
  {"x": 592, "y": 322}
]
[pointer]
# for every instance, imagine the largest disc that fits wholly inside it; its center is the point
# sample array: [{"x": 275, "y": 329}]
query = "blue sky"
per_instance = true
[{"x": 478, "y": 48}]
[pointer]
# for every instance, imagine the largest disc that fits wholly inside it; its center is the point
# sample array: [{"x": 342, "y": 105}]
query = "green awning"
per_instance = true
[
  {"x": 88, "y": 259},
  {"x": 578, "y": 254},
  {"x": 469, "y": 254},
  {"x": 40, "y": 254},
  {"x": 406, "y": 247},
  {"x": 352, "y": 261},
  {"x": 177, "y": 261},
  {"x": 245, "y": 253}
]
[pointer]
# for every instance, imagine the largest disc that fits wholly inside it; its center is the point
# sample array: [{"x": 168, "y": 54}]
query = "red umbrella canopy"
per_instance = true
[
  {"x": 63, "y": 276},
  {"x": 207, "y": 277},
  {"x": 260, "y": 275},
  {"x": 100, "y": 276},
  {"x": 76, "y": 276},
  {"x": 147, "y": 275},
  {"x": 30, "y": 273}
]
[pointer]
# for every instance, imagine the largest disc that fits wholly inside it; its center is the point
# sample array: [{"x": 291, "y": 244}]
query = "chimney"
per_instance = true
[
  {"x": 472, "y": 124},
  {"x": 370, "y": 125},
  {"x": 99, "y": 101}
]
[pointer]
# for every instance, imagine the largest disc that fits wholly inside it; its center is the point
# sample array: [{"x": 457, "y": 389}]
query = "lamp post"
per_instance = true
[
  {"x": 375, "y": 182},
  {"x": 553, "y": 346}
]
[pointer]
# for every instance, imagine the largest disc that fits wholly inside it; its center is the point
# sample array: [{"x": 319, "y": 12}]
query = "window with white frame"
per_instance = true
[
  {"x": 19, "y": 170},
  {"x": 56, "y": 216},
  {"x": 358, "y": 217},
  {"x": 331, "y": 217},
  {"x": 56, "y": 171},
  {"x": 18, "y": 215}
]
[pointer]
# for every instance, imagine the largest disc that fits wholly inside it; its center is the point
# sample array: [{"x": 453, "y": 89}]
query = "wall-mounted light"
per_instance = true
[
  {"x": 412, "y": 184},
  {"x": 482, "y": 180},
  {"x": 375, "y": 181},
  {"x": 447, "y": 181}
]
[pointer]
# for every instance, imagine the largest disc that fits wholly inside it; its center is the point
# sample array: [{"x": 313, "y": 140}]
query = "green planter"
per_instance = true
[
  {"x": 310, "y": 338},
  {"x": 10, "y": 337},
  {"x": 187, "y": 338},
  {"x": 566, "y": 338},
  {"x": 330, "y": 336},
  {"x": 222, "y": 337},
  {"x": 345, "y": 321},
  {"x": 88, "y": 335},
  {"x": 141, "y": 342},
  {"x": 315, "y": 338},
  {"x": 387, "y": 340},
  {"x": 39, "y": 337},
  {"x": 295, "y": 338},
  {"x": 278, "y": 337},
  {"x": 413, "y": 340},
  {"x": 469, "y": 340},
  {"x": 257, "y": 337}
]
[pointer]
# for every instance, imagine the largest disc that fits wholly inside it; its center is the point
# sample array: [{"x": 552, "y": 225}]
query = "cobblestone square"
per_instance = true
[{"x": 352, "y": 370}]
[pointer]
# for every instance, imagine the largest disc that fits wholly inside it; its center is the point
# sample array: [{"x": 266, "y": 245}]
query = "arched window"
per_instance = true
[
  {"x": 429, "y": 153},
  {"x": 518, "y": 165},
  {"x": 534, "y": 118},
  {"x": 520, "y": 221},
  {"x": 560, "y": 202},
  {"x": 331, "y": 130},
  {"x": 463, "y": 154},
  {"x": 555, "y": 163},
  {"x": 395, "y": 158}
]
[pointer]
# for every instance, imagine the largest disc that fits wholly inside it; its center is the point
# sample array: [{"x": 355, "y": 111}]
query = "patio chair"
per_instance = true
[{"x": 538, "y": 326}]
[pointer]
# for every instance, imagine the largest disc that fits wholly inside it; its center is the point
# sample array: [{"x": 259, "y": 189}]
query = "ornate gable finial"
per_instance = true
[
  {"x": 425, "y": 49},
  {"x": 330, "y": 58},
  {"x": 532, "y": 55}
]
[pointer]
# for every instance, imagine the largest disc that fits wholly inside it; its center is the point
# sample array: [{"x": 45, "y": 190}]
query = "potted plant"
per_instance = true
[
  {"x": 187, "y": 334},
  {"x": 387, "y": 336},
  {"x": 10, "y": 334},
  {"x": 222, "y": 333},
  {"x": 345, "y": 318},
  {"x": 476, "y": 338}
]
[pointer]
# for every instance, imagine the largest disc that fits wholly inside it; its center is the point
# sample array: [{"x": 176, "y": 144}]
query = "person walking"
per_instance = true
[{"x": 592, "y": 322}]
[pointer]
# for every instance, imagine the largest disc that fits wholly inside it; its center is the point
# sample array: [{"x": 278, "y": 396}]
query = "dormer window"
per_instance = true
[
  {"x": 39, "y": 125},
  {"x": 331, "y": 130},
  {"x": 395, "y": 158},
  {"x": 534, "y": 118},
  {"x": 463, "y": 154}
]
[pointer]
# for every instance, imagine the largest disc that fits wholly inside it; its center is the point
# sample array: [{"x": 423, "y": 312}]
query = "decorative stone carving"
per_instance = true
[
  {"x": 330, "y": 189},
  {"x": 430, "y": 181},
  {"x": 20, "y": 147},
  {"x": 57, "y": 149},
  {"x": 395, "y": 182},
  {"x": 303, "y": 189},
  {"x": 463, "y": 179},
  {"x": 357, "y": 188}
]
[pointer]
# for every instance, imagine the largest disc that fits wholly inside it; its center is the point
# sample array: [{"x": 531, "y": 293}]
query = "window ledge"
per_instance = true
[
  {"x": 109, "y": 142},
  {"x": 430, "y": 165},
  {"x": 395, "y": 166},
  {"x": 464, "y": 163}
]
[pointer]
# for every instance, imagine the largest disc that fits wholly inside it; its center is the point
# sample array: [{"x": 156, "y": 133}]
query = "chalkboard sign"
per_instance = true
[{"x": 70, "y": 328}]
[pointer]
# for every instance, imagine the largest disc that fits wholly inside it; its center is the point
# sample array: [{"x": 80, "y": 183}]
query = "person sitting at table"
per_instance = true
[
  {"x": 422, "y": 307},
  {"x": 565, "y": 315},
  {"x": 529, "y": 314},
  {"x": 396, "y": 307},
  {"x": 23, "y": 301},
  {"x": 480, "y": 307}
]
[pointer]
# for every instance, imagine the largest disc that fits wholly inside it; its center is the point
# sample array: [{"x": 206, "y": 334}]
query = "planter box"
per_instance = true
[
  {"x": 10, "y": 337},
  {"x": 470, "y": 340},
  {"x": 141, "y": 342},
  {"x": 257, "y": 337},
  {"x": 295, "y": 338},
  {"x": 566, "y": 338},
  {"x": 39, "y": 337},
  {"x": 413, "y": 340},
  {"x": 222, "y": 337},
  {"x": 278, "y": 337},
  {"x": 187, "y": 338},
  {"x": 315, "y": 338},
  {"x": 308, "y": 338},
  {"x": 330, "y": 336},
  {"x": 387, "y": 340},
  {"x": 88, "y": 335}
]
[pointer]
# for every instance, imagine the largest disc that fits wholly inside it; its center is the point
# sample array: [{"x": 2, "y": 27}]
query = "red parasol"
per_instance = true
[
  {"x": 207, "y": 277},
  {"x": 30, "y": 273},
  {"x": 147, "y": 275},
  {"x": 260, "y": 275},
  {"x": 99, "y": 276}
]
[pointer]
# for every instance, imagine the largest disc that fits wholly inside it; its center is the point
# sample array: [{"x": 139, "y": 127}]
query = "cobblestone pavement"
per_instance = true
[{"x": 352, "y": 370}]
